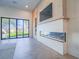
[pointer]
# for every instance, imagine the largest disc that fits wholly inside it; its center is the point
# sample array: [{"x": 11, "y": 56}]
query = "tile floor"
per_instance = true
[
  {"x": 27, "y": 48},
  {"x": 32, "y": 49}
]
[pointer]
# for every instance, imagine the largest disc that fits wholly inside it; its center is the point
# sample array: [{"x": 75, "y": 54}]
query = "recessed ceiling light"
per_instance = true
[
  {"x": 14, "y": 2},
  {"x": 26, "y": 6}
]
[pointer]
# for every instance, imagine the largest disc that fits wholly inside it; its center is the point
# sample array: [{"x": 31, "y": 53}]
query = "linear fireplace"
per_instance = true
[{"x": 58, "y": 36}]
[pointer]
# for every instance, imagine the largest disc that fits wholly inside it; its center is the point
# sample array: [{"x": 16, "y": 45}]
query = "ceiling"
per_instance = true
[{"x": 20, "y": 4}]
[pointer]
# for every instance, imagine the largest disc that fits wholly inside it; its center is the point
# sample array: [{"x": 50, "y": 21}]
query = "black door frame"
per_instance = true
[{"x": 16, "y": 27}]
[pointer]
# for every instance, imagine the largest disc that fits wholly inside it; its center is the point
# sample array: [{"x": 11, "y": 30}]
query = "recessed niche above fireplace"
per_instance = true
[{"x": 46, "y": 13}]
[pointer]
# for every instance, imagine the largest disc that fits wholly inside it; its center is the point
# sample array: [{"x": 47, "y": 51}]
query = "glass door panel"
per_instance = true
[
  {"x": 12, "y": 28},
  {"x": 0, "y": 28},
  {"x": 5, "y": 28},
  {"x": 20, "y": 28},
  {"x": 26, "y": 31}
]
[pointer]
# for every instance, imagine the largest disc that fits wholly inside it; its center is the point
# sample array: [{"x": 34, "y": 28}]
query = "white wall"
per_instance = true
[
  {"x": 73, "y": 27},
  {"x": 16, "y": 13},
  {"x": 53, "y": 26},
  {"x": 57, "y": 11}
]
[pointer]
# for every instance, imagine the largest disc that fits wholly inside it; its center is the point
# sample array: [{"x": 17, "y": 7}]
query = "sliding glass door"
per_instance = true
[
  {"x": 26, "y": 30},
  {"x": 13, "y": 28},
  {"x": 20, "y": 28},
  {"x": 5, "y": 28},
  {"x": 0, "y": 28}
]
